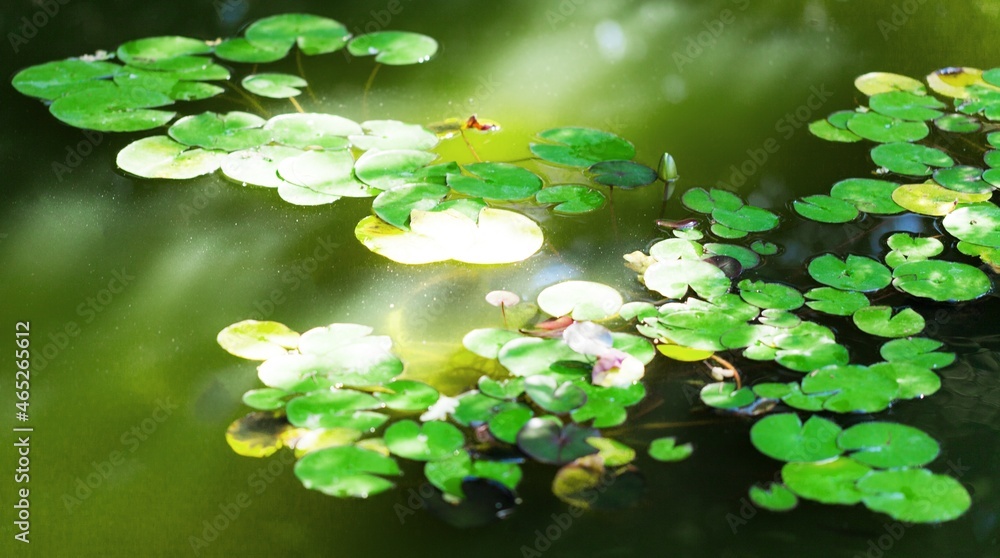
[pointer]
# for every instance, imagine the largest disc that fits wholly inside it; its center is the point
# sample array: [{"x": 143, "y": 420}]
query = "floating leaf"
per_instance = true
[
  {"x": 764, "y": 248},
  {"x": 963, "y": 179},
  {"x": 162, "y": 157},
  {"x": 407, "y": 395},
  {"x": 581, "y": 147},
  {"x": 666, "y": 449},
  {"x": 748, "y": 258},
  {"x": 553, "y": 396},
  {"x": 910, "y": 159},
  {"x": 914, "y": 495},
  {"x": 274, "y": 85},
  {"x": 258, "y": 434},
  {"x": 487, "y": 342},
  {"x": 829, "y": 482},
  {"x": 854, "y": 273},
  {"x": 770, "y": 295},
  {"x": 868, "y": 195},
  {"x": 390, "y": 169},
  {"x": 431, "y": 441},
  {"x": 52, "y": 80},
  {"x": 941, "y": 281},
  {"x": 475, "y": 408},
  {"x": 954, "y": 82},
  {"x": 232, "y": 131},
  {"x": 112, "y": 108},
  {"x": 874, "y": 83},
  {"x": 334, "y": 409},
  {"x": 346, "y": 471},
  {"x": 918, "y": 351},
  {"x": 785, "y": 438},
  {"x": 265, "y": 399},
  {"x": 724, "y": 395},
  {"x": 395, "y": 48},
  {"x": 571, "y": 198},
  {"x": 775, "y": 497},
  {"x": 958, "y": 123},
  {"x": 393, "y": 134},
  {"x": 823, "y": 129},
  {"x": 161, "y": 52},
  {"x": 258, "y": 166},
  {"x": 314, "y": 34},
  {"x": 672, "y": 278},
  {"x": 506, "y": 424},
  {"x": 825, "y": 209},
  {"x": 906, "y": 248},
  {"x": 395, "y": 206},
  {"x": 883, "y": 129},
  {"x": 255, "y": 340},
  {"x": 238, "y": 49},
  {"x": 747, "y": 218},
  {"x": 835, "y": 301},
  {"x": 548, "y": 442},
  {"x": 606, "y": 405},
  {"x": 912, "y": 380},
  {"x": 449, "y": 474},
  {"x": 622, "y": 174},
  {"x": 852, "y": 388},
  {"x": 976, "y": 224},
  {"x": 888, "y": 445},
  {"x": 932, "y": 199},
  {"x": 878, "y": 320},
  {"x": 496, "y": 181},
  {"x": 318, "y": 177},
  {"x": 583, "y": 300},
  {"x": 906, "y": 105},
  {"x": 312, "y": 130},
  {"x": 612, "y": 452}
]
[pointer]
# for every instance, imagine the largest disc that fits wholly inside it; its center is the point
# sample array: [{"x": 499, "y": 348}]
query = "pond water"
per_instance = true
[{"x": 126, "y": 281}]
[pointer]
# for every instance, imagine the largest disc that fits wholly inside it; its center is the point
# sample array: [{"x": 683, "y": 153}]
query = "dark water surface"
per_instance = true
[{"x": 130, "y": 408}]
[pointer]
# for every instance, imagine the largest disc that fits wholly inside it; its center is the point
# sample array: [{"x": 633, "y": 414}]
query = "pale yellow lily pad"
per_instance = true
[
  {"x": 874, "y": 83},
  {"x": 952, "y": 82},
  {"x": 932, "y": 199}
]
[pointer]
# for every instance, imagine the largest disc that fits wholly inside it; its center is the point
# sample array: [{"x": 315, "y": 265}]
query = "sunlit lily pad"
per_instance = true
[
  {"x": 941, "y": 281},
  {"x": 393, "y": 168},
  {"x": 232, "y": 131},
  {"x": 157, "y": 52},
  {"x": 874, "y": 83},
  {"x": 963, "y": 179},
  {"x": 825, "y": 209},
  {"x": 914, "y": 495},
  {"x": 748, "y": 258},
  {"x": 775, "y": 497},
  {"x": 318, "y": 177},
  {"x": 770, "y": 295},
  {"x": 449, "y": 474},
  {"x": 607, "y": 406},
  {"x": 112, "y": 108},
  {"x": 953, "y": 82},
  {"x": 823, "y": 129},
  {"x": 724, "y": 395},
  {"x": 312, "y": 130},
  {"x": 835, "y": 301},
  {"x": 407, "y": 395},
  {"x": 393, "y": 134},
  {"x": 176, "y": 85},
  {"x": 256, "y": 340},
  {"x": 331, "y": 409},
  {"x": 394, "y": 206},
  {"x": 868, "y": 195},
  {"x": 432, "y": 441},
  {"x": 571, "y": 198},
  {"x": 829, "y": 482},
  {"x": 958, "y": 123},
  {"x": 666, "y": 449},
  {"x": 238, "y": 49},
  {"x": 907, "y": 248},
  {"x": 487, "y": 342},
  {"x": 918, "y": 351},
  {"x": 395, "y": 48},
  {"x": 258, "y": 166},
  {"x": 622, "y": 174},
  {"x": 496, "y": 181},
  {"x": 581, "y": 147},
  {"x": 906, "y": 105},
  {"x": 854, "y": 273},
  {"x": 673, "y": 278},
  {"x": 910, "y": 159},
  {"x": 506, "y": 424},
  {"x": 259, "y": 434},
  {"x": 314, "y": 34},
  {"x": 548, "y": 442},
  {"x": 274, "y": 85},
  {"x": 162, "y": 157},
  {"x": 346, "y": 471},
  {"x": 933, "y": 199},
  {"x": 554, "y": 396},
  {"x": 747, "y": 218},
  {"x": 884, "y": 129},
  {"x": 880, "y": 321},
  {"x": 583, "y": 300},
  {"x": 785, "y": 438},
  {"x": 912, "y": 380},
  {"x": 976, "y": 224},
  {"x": 852, "y": 388},
  {"x": 54, "y": 79},
  {"x": 888, "y": 445},
  {"x": 265, "y": 399}
]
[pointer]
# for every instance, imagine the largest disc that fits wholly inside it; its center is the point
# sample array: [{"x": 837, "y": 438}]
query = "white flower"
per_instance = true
[
  {"x": 616, "y": 368},
  {"x": 588, "y": 338},
  {"x": 440, "y": 410}
]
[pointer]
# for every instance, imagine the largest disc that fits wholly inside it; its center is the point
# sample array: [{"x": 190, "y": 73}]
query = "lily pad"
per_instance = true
[
  {"x": 874, "y": 83},
  {"x": 395, "y": 206},
  {"x": 829, "y": 482},
  {"x": 581, "y": 147},
  {"x": 259, "y": 434},
  {"x": 764, "y": 248},
  {"x": 554, "y": 396},
  {"x": 392, "y": 168},
  {"x": 770, "y": 295},
  {"x": 825, "y": 209},
  {"x": 607, "y": 405},
  {"x": 158, "y": 52},
  {"x": 496, "y": 181},
  {"x": 112, "y": 108},
  {"x": 313, "y": 34},
  {"x": 747, "y": 218},
  {"x": 835, "y": 301},
  {"x": 571, "y": 198},
  {"x": 852, "y": 388},
  {"x": 548, "y": 442},
  {"x": 918, "y": 351},
  {"x": 854, "y": 273},
  {"x": 258, "y": 166},
  {"x": 232, "y": 131},
  {"x": 888, "y": 445},
  {"x": 933, "y": 199},
  {"x": 941, "y": 281},
  {"x": 52, "y": 80},
  {"x": 910, "y": 159},
  {"x": 673, "y": 278},
  {"x": 907, "y": 248},
  {"x": 583, "y": 300},
  {"x": 823, "y": 129},
  {"x": 254, "y": 340},
  {"x": 317, "y": 177},
  {"x": 913, "y": 381},
  {"x": 748, "y": 258},
  {"x": 506, "y": 424},
  {"x": 162, "y": 157},
  {"x": 393, "y": 134},
  {"x": 487, "y": 342},
  {"x": 868, "y": 195},
  {"x": 906, "y": 105},
  {"x": 666, "y": 449},
  {"x": 327, "y": 409},
  {"x": 346, "y": 471},
  {"x": 407, "y": 395},
  {"x": 238, "y": 49},
  {"x": 274, "y": 85},
  {"x": 395, "y": 48},
  {"x": 433, "y": 441},
  {"x": 622, "y": 174},
  {"x": 958, "y": 123},
  {"x": 914, "y": 495},
  {"x": 312, "y": 130},
  {"x": 878, "y": 320},
  {"x": 724, "y": 395},
  {"x": 965, "y": 179},
  {"x": 884, "y": 129},
  {"x": 265, "y": 399},
  {"x": 976, "y": 224},
  {"x": 776, "y": 497},
  {"x": 449, "y": 474},
  {"x": 785, "y": 438}
]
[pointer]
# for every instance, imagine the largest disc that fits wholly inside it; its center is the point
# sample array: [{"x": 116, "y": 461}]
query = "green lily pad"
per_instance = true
[
  {"x": 571, "y": 198},
  {"x": 476, "y": 408},
  {"x": 965, "y": 179},
  {"x": 433, "y": 441},
  {"x": 583, "y": 300},
  {"x": 612, "y": 452},
  {"x": 918, "y": 351},
  {"x": 884, "y": 129},
  {"x": 913, "y": 381},
  {"x": 317, "y": 177},
  {"x": 854, "y": 273},
  {"x": 238, "y": 49},
  {"x": 346, "y": 471},
  {"x": 323, "y": 409},
  {"x": 360, "y": 361},
  {"x": 607, "y": 405},
  {"x": 747, "y": 218},
  {"x": 748, "y": 258},
  {"x": 933, "y": 199},
  {"x": 314, "y": 34},
  {"x": 232, "y": 131},
  {"x": 914, "y": 495},
  {"x": 162, "y": 157},
  {"x": 666, "y": 449},
  {"x": 254, "y": 340},
  {"x": 496, "y": 181},
  {"x": 835, "y": 301},
  {"x": 764, "y": 248},
  {"x": 487, "y": 342},
  {"x": 724, "y": 395},
  {"x": 548, "y": 442},
  {"x": 673, "y": 278},
  {"x": 941, "y": 281},
  {"x": 622, "y": 174},
  {"x": 112, "y": 108},
  {"x": 906, "y": 105},
  {"x": 852, "y": 388},
  {"x": 265, "y": 399},
  {"x": 394, "y": 206},
  {"x": 874, "y": 83},
  {"x": 52, "y": 80},
  {"x": 175, "y": 85},
  {"x": 408, "y": 395},
  {"x": 910, "y": 159},
  {"x": 888, "y": 445},
  {"x": 393, "y": 134},
  {"x": 878, "y": 320},
  {"x": 907, "y": 248},
  {"x": 825, "y": 209},
  {"x": 160, "y": 52},
  {"x": 976, "y": 224},
  {"x": 581, "y": 147},
  {"x": 868, "y": 195},
  {"x": 776, "y": 497},
  {"x": 510, "y": 388},
  {"x": 829, "y": 482},
  {"x": 506, "y": 424},
  {"x": 395, "y": 48},
  {"x": 823, "y": 129},
  {"x": 274, "y": 85},
  {"x": 553, "y": 396},
  {"x": 312, "y": 130},
  {"x": 785, "y": 438},
  {"x": 770, "y": 295},
  {"x": 392, "y": 168},
  {"x": 992, "y": 158},
  {"x": 449, "y": 474},
  {"x": 958, "y": 124},
  {"x": 258, "y": 166}
]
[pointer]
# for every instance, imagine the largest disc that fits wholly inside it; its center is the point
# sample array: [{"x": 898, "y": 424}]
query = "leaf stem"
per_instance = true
[
  {"x": 729, "y": 366},
  {"x": 469, "y": 145},
  {"x": 296, "y": 104},
  {"x": 368, "y": 87}
]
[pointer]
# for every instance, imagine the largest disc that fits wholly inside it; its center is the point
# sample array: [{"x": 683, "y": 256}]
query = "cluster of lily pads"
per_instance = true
[{"x": 424, "y": 211}]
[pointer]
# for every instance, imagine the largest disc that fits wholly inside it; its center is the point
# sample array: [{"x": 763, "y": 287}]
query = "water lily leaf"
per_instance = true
[
  {"x": 770, "y": 295},
  {"x": 312, "y": 130},
  {"x": 918, "y": 351},
  {"x": 954, "y": 82},
  {"x": 941, "y": 281},
  {"x": 779, "y": 318},
  {"x": 319, "y": 177},
  {"x": 432, "y": 441},
  {"x": 884, "y": 129},
  {"x": 612, "y": 452},
  {"x": 976, "y": 224},
  {"x": 829, "y": 482},
  {"x": 853, "y": 388},
  {"x": 393, "y": 134},
  {"x": 675, "y": 249},
  {"x": 393, "y": 168},
  {"x": 238, "y": 49},
  {"x": 314, "y": 34},
  {"x": 232, "y": 131},
  {"x": 854, "y": 273},
  {"x": 672, "y": 279},
  {"x": 583, "y": 300},
  {"x": 913, "y": 380},
  {"x": 265, "y": 399},
  {"x": 724, "y": 395},
  {"x": 963, "y": 179},
  {"x": 785, "y": 438},
  {"x": 806, "y": 357},
  {"x": 395, "y": 206},
  {"x": 910, "y": 159},
  {"x": 888, "y": 445},
  {"x": 506, "y": 424},
  {"x": 407, "y": 395},
  {"x": 395, "y": 48},
  {"x": 989, "y": 256},
  {"x": 258, "y": 166},
  {"x": 449, "y": 474},
  {"x": 992, "y": 176},
  {"x": 868, "y": 195},
  {"x": 363, "y": 363},
  {"x": 914, "y": 495},
  {"x": 607, "y": 405},
  {"x": 748, "y": 258},
  {"x": 581, "y": 147},
  {"x": 874, "y": 83},
  {"x": 906, "y": 106},
  {"x": 958, "y": 124},
  {"x": 346, "y": 471},
  {"x": 835, "y": 301},
  {"x": 274, "y": 85},
  {"x": 932, "y": 199},
  {"x": 622, "y": 174},
  {"x": 666, "y": 449},
  {"x": 177, "y": 85},
  {"x": 255, "y": 340},
  {"x": 878, "y": 320},
  {"x": 747, "y": 219},
  {"x": 496, "y": 181},
  {"x": 52, "y": 80},
  {"x": 571, "y": 198},
  {"x": 548, "y": 442},
  {"x": 823, "y": 129},
  {"x": 553, "y": 396},
  {"x": 487, "y": 342},
  {"x": 776, "y": 497},
  {"x": 992, "y": 158},
  {"x": 476, "y": 408},
  {"x": 907, "y": 248},
  {"x": 528, "y": 356},
  {"x": 764, "y": 248},
  {"x": 157, "y": 52},
  {"x": 112, "y": 108},
  {"x": 326, "y": 409},
  {"x": 162, "y": 157},
  {"x": 825, "y": 209},
  {"x": 259, "y": 434}
]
